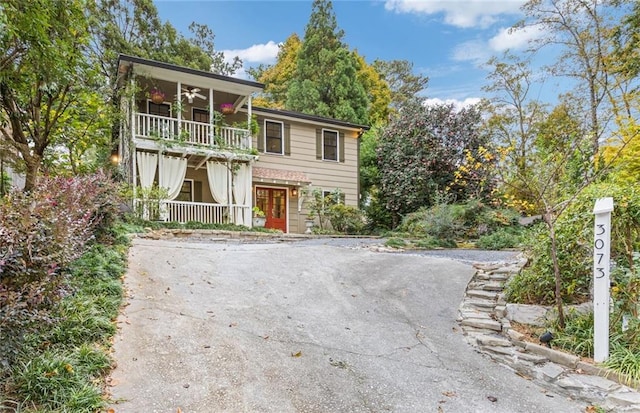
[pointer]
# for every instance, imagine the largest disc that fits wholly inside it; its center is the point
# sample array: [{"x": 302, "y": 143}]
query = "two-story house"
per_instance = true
[{"x": 196, "y": 135}]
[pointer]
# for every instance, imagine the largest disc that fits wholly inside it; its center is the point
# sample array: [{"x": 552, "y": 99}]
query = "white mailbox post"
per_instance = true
[{"x": 601, "y": 283}]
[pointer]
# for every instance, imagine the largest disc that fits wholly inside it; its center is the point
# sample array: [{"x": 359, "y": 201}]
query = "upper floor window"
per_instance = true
[
  {"x": 159, "y": 109},
  {"x": 200, "y": 115},
  {"x": 329, "y": 145},
  {"x": 274, "y": 137}
]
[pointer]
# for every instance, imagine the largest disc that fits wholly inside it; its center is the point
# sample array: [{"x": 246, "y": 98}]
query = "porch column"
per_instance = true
[
  {"x": 211, "y": 126},
  {"x": 178, "y": 106},
  {"x": 249, "y": 122},
  {"x": 132, "y": 108},
  {"x": 232, "y": 215}
]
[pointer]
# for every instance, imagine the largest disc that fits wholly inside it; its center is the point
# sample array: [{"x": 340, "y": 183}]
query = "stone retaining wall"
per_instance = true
[{"x": 484, "y": 318}]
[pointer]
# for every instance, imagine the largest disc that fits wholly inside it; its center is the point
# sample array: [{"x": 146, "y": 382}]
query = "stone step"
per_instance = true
[
  {"x": 480, "y": 303},
  {"x": 493, "y": 286},
  {"x": 533, "y": 358},
  {"x": 499, "y": 277},
  {"x": 511, "y": 269},
  {"x": 482, "y": 323},
  {"x": 489, "y": 295},
  {"x": 493, "y": 341},
  {"x": 506, "y": 351}
]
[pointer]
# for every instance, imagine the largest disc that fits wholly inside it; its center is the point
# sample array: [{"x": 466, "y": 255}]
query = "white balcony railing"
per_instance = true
[
  {"x": 179, "y": 211},
  {"x": 190, "y": 133}
]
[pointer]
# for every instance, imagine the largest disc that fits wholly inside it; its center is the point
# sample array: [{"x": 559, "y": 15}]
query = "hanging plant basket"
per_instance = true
[
  {"x": 226, "y": 108},
  {"x": 157, "y": 96}
]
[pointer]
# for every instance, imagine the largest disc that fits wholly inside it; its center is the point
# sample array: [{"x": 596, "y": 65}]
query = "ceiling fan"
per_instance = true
[{"x": 191, "y": 92}]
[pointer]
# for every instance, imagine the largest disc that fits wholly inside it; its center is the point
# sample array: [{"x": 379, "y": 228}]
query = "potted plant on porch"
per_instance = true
[
  {"x": 157, "y": 96},
  {"x": 259, "y": 219}
]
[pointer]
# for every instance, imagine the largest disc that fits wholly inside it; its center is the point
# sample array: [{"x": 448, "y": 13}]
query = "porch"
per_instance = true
[{"x": 183, "y": 212}]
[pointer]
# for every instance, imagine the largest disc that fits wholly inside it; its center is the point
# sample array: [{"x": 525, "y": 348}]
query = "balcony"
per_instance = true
[{"x": 187, "y": 133}]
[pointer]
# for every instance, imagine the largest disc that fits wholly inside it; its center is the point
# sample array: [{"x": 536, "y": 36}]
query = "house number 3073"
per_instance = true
[{"x": 599, "y": 245}]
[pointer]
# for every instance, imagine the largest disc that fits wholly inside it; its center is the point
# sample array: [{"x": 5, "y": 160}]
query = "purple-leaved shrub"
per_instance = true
[{"x": 41, "y": 233}]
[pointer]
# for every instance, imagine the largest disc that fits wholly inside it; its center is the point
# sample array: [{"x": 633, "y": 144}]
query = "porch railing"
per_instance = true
[
  {"x": 188, "y": 132},
  {"x": 180, "y": 211}
]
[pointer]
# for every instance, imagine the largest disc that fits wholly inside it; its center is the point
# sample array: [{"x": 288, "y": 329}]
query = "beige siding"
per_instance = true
[{"x": 327, "y": 175}]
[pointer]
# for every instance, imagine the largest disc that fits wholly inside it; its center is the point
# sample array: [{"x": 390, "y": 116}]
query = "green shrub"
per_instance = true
[
  {"x": 500, "y": 239},
  {"x": 531, "y": 287},
  {"x": 440, "y": 221},
  {"x": 577, "y": 336},
  {"x": 574, "y": 233},
  {"x": 346, "y": 219},
  {"x": 448, "y": 222},
  {"x": 395, "y": 242},
  {"x": 427, "y": 243},
  {"x": 58, "y": 366}
]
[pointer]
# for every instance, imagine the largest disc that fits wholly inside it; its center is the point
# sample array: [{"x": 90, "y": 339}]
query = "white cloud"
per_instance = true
[
  {"x": 474, "y": 51},
  {"x": 459, "y": 13},
  {"x": 457, "y": 104},
  {"x": 258, "y": 53},
  {"x": 514, "y": 39}
]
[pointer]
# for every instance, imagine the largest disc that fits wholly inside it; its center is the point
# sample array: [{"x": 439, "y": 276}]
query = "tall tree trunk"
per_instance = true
[{"x": 33, "y": 164}]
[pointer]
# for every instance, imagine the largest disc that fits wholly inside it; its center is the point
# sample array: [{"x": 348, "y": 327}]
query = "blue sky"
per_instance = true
[{"x": 447, "y": 40}]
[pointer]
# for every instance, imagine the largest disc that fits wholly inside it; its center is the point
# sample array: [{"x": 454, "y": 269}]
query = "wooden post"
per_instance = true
[{"x": 601, "y": 283}]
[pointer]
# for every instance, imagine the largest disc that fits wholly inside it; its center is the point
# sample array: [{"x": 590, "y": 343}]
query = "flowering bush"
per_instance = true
[{"x": 41, "y": 233}]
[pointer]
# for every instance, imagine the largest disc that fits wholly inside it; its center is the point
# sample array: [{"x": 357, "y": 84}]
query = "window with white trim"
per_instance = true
[
  {"x": 200, "y": 115},
  {"x": 274, "y": 137},
  {"x": 330, "y": 145},
  {"x": 186, "y": 191},
  {"x": 159, "y": 109}
]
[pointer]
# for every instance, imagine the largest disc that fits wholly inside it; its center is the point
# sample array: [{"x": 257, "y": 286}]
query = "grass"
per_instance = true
[{"x": 61, "y": 366}]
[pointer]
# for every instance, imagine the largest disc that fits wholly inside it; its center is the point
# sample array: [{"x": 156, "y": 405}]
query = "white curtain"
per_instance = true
[
  {"x": 147, "y": 163},
  {"x": 218, "y": 181},
  {"x": 172, "y": 173},
  {"x": 241, "y": 187}
]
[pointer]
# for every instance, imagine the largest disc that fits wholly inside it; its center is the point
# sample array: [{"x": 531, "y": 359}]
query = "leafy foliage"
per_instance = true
[
  {"x": 346, "y": 219},
  {"x": 450, "y": 222},
  {"x": 419, "y": 151},
  {"x": 41, "y": 233},
  {"x": 276, "y": 78},
  {"x": 43, "y": 75},
  {"x": 325, "y": 82},
  {"x": 403, "y": 84},
  {"x": 574, "y": 232},
  {"x": 61, "y": 363}
]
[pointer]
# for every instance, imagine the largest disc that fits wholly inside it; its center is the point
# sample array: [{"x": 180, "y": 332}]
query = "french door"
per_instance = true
[{"x": 274, "y": 204}]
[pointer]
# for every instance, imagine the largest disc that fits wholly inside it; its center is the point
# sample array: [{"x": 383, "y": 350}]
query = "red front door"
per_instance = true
[{"x": 274, "y": 204}]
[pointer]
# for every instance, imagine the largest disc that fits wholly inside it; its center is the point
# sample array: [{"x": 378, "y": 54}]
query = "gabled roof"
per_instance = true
[
  {"x": 171, "y": 72},
  {"x": 312, "y": 118}
]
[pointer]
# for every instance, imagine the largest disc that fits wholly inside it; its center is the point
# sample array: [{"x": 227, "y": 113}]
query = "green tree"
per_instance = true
[
  {"x": 378, "y": 92},
  {"x": 403, "y": 83},
  {"x": 325, "y": 82},
  {"x": 276, "y": 77},
  {"x": 419, "y": 152},
  {"x": 42, "y": 74},
  {"x": 511, "y": 120},
  {"x": 134, "y": 27},
  {"x": 582, "y": 30}
]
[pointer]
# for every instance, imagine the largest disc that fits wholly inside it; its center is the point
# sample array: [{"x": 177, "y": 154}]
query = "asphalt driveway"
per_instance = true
[{"x": 303, "y": 327}]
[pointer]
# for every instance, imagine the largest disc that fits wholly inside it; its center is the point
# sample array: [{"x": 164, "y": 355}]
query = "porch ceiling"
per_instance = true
[
  {"x": 280, "y": 176},
  {"x": 173, "y": 73}
]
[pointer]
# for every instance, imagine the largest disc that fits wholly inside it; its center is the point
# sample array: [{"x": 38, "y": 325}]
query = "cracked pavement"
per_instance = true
[{"x": 303, "y": 327}]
